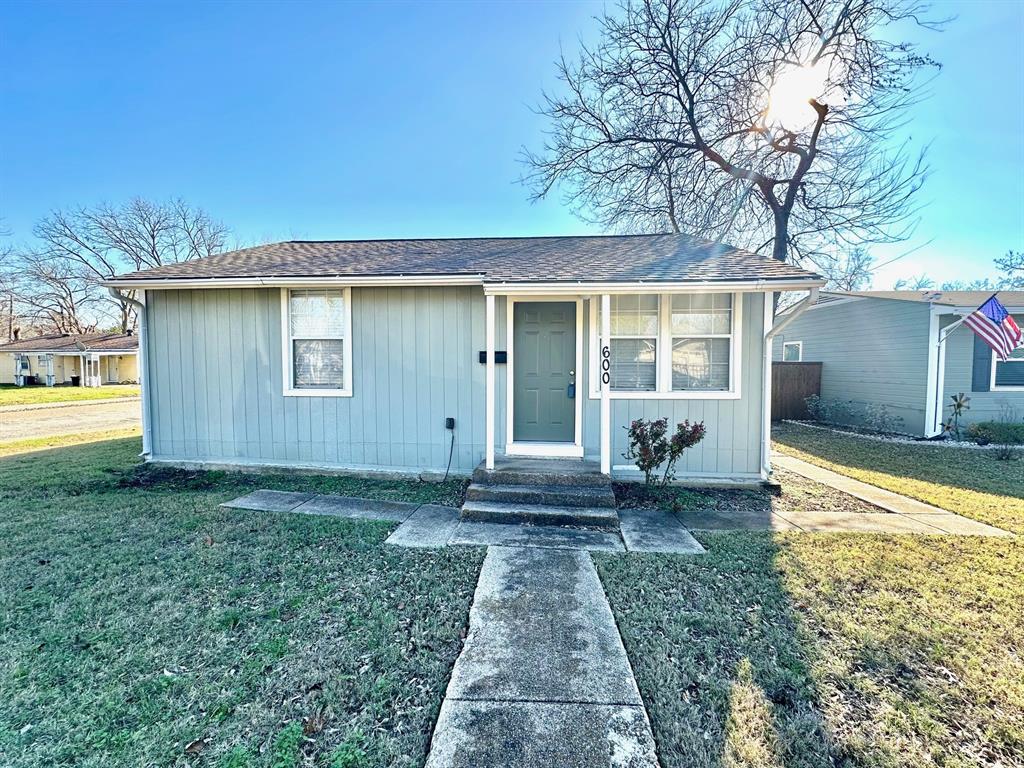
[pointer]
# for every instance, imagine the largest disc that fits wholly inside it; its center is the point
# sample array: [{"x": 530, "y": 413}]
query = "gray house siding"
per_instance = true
[
  {"x": 216, "y": 381},
  {"x": 215, "y": 385},
  {"x": 960, "y": 371},
  {"x": 873, "y": 351}
]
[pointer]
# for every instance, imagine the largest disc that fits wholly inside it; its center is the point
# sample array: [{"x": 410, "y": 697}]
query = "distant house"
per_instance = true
[
  {"x": 880, "y": 348},
  {"x": 356, "y": 354},
  {"x": 90, "y": 359}
]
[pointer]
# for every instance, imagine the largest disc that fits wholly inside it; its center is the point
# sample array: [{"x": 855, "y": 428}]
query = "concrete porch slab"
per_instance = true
[
  {"x": 471, "y": 734},
  {"x": 429, "y": 526},
  {"x": 269, "y": 501},
  {"x": 543, "y": 536},
  {"x": 356, "y": 508},
  {"x": 654, "y": 530}
]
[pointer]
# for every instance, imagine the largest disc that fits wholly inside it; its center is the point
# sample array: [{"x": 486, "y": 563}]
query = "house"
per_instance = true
[
  {"x": 881, "y": 349},
  {"x": 105, "y": 358},
  {"x": 394, "y": 355}
]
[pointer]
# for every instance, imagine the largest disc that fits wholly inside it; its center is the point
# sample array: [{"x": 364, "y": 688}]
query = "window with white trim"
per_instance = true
[
  {"x": 634, "y": 343},
  {"x": 1009, "y": 374},
  {"x": 701, "y": 325},
  {"x": 792, "y": 351},
  {"x": 318, "y": 341},
  {"x": 676, "y": 345}
]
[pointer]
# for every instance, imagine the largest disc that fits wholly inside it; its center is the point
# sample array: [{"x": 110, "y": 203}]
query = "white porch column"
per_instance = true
[
  {"x": 489, "y": 408},
  {"x": 605, "y": 372}
]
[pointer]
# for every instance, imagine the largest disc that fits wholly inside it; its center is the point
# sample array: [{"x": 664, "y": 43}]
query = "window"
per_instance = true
[
  {"x": 317, "y": 352},
  {"x": 701, "y": 327},
  {"x": 792, "y": 351},
  {"x": 634, "y": 343},
  {"x": 1009, "y": 374},
  {"x": 670, "y": 345}
]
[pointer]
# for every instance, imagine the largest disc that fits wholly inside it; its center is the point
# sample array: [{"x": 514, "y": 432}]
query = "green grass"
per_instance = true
[
  {"x": 828, "y": 650},
  {"x": 143, "y": 625},
  {"x": 12, "y": 395},
  {"x": 971, "y": 482},
  {"x": 34, "y": 444}
]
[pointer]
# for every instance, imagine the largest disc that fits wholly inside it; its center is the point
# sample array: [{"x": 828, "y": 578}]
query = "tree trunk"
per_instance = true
[{"x": 780, "y": 244}]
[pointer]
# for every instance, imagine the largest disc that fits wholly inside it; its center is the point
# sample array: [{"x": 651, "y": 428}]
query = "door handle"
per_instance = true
[{"x": 572, "y": 390}]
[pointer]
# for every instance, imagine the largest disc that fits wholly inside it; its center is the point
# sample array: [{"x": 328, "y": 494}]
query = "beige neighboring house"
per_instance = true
[{"x": 88, "y": 360}]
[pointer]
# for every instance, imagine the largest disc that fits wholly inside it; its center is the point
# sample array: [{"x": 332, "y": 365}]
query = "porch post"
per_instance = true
[
  {"x": 605, "y": 373},
  {"x": 489, "y": 407}
]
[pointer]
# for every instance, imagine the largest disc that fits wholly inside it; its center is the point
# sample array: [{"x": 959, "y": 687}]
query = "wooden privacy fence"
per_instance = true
[{"x": 792, "y": 383}]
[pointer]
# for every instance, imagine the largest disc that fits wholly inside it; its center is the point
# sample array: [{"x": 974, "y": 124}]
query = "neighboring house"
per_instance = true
[
  {"x": 106, "y": 358},
  {"x": 353, "y": 354},
  {"x": 880, "y": 348}
]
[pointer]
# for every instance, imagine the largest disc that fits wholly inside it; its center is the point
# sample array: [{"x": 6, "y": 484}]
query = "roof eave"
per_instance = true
[{"x": 490, "y": 286}]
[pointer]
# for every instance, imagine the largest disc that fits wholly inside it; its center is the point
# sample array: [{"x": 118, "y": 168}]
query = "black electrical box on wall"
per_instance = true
[{"x": 500, "y": 357}]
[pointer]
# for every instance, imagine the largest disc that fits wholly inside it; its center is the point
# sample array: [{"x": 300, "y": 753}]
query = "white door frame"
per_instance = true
[{"x": 515, "y": 447}]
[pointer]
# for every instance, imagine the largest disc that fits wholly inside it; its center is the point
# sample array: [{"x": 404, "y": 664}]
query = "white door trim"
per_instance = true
[{"x": 529, "y": 448}]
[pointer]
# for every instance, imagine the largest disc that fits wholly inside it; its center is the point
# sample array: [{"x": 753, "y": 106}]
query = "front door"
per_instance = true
[{"x": 544, "y": 350}]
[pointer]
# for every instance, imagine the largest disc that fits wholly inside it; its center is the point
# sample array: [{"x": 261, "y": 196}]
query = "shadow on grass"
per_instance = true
[{"x": 718, "y": 656}]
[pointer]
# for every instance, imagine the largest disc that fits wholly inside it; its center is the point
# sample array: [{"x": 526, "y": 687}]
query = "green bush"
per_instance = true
[{"x": 999, "y": 432}]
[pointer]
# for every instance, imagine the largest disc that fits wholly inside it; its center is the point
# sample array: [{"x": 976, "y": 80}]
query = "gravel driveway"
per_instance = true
[{"x": 66, "y": 420}]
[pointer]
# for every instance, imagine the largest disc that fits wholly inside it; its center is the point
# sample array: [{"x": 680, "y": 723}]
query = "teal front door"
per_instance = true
[{"x": 544, "y": 358}]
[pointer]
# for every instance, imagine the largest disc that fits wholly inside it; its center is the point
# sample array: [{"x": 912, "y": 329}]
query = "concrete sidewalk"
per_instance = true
[
  {"x": 901, "y": 514},
  {"x": 543, "y": 680}
]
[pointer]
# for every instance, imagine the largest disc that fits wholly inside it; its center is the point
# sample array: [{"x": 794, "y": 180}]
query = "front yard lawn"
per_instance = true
[
  {"x": 12, "y": 395},
  {"x": 807, "y": 650},
  {"x": 839, "y": 649},
  {"x": 971, "y": 482},
  {"x": 143, "y": 625}
]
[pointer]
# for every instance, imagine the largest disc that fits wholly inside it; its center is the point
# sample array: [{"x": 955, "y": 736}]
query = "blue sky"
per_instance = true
[{"x": 309, "y": 120}]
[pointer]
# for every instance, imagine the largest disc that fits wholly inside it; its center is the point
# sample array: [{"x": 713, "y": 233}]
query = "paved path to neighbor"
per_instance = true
[
  {"x": 70, "y": 419},
  {"x": 901, "y": 514},
  {"x": 543, "y": 680}
]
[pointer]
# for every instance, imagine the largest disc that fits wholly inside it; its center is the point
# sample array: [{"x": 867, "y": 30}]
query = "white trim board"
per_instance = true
[{"x": 288, "y": 390}]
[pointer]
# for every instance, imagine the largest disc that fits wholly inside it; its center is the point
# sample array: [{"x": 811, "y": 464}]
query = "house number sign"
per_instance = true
[{"x": 606, "y": 364}]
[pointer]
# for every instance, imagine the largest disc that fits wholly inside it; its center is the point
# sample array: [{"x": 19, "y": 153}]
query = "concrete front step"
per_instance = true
[
  {"x": 540, "y": 472},
  {"x": 602, "y": 518},
  {"x": 551, "y": 495}
]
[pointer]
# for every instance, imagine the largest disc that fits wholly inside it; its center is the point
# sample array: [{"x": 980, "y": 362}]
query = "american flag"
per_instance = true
[{"x": 996, "y": 328}]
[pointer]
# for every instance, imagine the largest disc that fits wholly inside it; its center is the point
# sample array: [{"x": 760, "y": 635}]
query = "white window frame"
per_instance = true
[
  {"x": 663, "y": 354},
  {"x": 799, "y": 351},
  {"x": 287, "y": 349},
  {"x": 992, "y": 376}
]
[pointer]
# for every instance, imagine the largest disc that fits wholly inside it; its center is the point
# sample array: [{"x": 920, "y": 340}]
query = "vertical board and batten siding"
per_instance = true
[
  {"x": 216, "y": 381},
  {"x": 732, "y": 445},
  {"x": 961, "y": 369},
  {"x": 873, "y": 352},
  {"x": 216, "y": 386}
]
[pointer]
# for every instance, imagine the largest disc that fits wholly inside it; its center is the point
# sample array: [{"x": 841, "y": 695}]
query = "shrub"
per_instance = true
[
  {"x": 650, "y": 446},
  {"x": 878, "y": 418},
  {"x": 999, "y": 432}
]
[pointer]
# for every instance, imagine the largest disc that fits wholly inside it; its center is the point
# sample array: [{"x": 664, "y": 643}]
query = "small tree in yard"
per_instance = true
[{"x": 650, "y": 446}]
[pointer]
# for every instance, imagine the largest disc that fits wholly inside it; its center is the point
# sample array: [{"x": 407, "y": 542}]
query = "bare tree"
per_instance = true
[
  {"x": 95, "y": 244},
  {"x": 765, "y": 122},
  {"x": 914, "y": 283},
  {"x": 58, "y": 295}
]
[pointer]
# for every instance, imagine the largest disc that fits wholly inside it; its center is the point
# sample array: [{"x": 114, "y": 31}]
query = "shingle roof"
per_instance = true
[
  {"x": 944, "y": 298},
  {"x": 74, "y": 344},
  {"x": 623, "y": 258}
]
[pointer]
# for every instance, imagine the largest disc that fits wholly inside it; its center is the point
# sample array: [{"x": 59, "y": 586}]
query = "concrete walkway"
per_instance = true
[
  {"x": 543, "y": 680},
  {"x": 432, "y": 526},
  {"x": 901, "y": 515}
]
